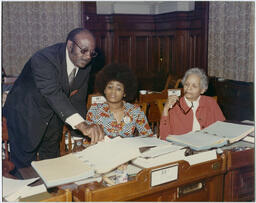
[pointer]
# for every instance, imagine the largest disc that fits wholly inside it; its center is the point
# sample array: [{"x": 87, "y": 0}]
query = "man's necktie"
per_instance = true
[{"x": 71, "y": 76}]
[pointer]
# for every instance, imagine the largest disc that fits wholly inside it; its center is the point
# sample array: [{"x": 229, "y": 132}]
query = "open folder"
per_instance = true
[
  {"x": 216, "y": 135},
  {"x": 62, "y": 170}
]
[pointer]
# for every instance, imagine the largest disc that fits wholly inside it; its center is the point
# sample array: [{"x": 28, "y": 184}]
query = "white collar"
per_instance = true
[
  {"x": 70, "y": 65},
  {"x": 195, "y": 103}
]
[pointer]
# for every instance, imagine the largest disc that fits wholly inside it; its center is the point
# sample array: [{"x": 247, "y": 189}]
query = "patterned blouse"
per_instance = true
[{"x": 134, "y": 118}]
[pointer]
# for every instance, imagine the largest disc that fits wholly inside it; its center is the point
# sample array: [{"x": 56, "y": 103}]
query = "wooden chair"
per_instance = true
[
  {"x": 94, "y": 98},
  {"x": 172, "y": 82},
  {"x": 177, "y": 83},
  {"x": 65, "y": 149},
  {"x": 153, "y": 113},
  {"x": 143, "y": 106},
  {"x": 7, "y": 165},
  {"x": 160, "y": 104}
]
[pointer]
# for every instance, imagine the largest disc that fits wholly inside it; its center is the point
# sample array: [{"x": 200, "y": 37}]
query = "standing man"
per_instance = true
[{"x": 50, "y": 91}]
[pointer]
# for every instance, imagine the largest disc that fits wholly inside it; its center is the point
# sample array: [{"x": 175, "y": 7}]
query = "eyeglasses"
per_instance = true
[
  {"x": 183, "y": 111},
  {"x": 93, "y": 54}
]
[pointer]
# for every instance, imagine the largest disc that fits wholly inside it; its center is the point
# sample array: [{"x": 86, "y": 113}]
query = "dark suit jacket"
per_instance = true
[{"x": 42, "y": 90}]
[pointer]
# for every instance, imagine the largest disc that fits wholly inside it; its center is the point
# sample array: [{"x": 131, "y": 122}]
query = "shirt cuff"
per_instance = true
[{"x": 74, "y": 119}]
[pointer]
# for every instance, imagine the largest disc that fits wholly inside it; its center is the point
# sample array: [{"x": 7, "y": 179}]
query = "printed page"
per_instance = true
[
  {"x": 198, "y": 140},
  {"x": 26, "y": 191},
  {"x": 232, "y": 131},
  {"x": 105, "y": 156},
  {"x": 201, "y": 157},
  {"x": 140, "y": 142},
  {"x": 62, "y": 170},
  {"x": 160, "y": 150},
  {"x": 159, "y": 160},
  {"x": 13, "y": 185}
]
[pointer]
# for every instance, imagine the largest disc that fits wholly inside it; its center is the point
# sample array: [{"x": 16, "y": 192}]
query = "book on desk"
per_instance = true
[
  {"x": 62, "y": 170},
  {"x": 100, "y": 158},
  {"x": 216, "y": 135}
]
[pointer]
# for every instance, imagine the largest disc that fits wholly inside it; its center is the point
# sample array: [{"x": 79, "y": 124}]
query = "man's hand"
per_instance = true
[{"x": 95, "y": 132}]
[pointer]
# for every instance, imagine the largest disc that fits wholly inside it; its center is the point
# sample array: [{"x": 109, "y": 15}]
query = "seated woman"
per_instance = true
[
  {"x": 193, "y": 111},
  {"x": 118, "y": 117}
]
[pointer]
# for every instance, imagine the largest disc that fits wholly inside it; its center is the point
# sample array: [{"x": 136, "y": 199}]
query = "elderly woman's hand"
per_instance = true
[{"x": 169, "y": 104}]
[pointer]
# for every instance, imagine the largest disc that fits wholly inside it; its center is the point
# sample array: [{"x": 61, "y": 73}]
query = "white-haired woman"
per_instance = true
[{"x": 193, "y": 111}]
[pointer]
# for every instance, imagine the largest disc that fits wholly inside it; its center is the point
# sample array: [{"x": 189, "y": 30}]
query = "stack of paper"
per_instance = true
[
  {"x": 106, "y": 156},
  {"x": 215, "y": 135},
  {"x": 62, "y": 170},
  {"x": 175, "y": 156},
  {"x": 13, "y": 189}
]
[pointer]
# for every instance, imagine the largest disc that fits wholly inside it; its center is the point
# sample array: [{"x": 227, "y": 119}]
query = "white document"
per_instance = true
[
  {"x": 231, "y": 131},
  {"x": 140, "y": 142},
  {"x": 249, "y": 139},
  {"x": 98, "y": 99},
  {"x": 160, "y": 160},
  {"x": 201, "y": 157},
  {"x": 11, "y": 186},
  {"x": 160, "y": 150},
  {"x": 216, "y": 135},
  {"x": 164, "y": 175},
  {"x": 26, "y": 191},
  {"x": 96, "y": 178},
  {"x": 62, "y": 170},
  {"x": 106, "y": 156},
  {"x": 109, "y": 154}
]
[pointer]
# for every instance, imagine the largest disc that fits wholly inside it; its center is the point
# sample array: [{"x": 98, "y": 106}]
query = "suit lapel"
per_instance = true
[{"x": 63, "y": 71}]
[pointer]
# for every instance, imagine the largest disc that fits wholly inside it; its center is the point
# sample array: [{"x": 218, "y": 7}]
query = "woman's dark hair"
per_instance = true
[{"x": 117, "y": 72}]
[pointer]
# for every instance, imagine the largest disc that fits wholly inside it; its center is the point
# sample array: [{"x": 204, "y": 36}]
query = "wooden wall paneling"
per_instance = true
[
  {"x": 141, "y": 55},
  {"x": 155, "y": 60},
  {"x": 171, "y": 55},
  {"x": 123, "y": 49},
  {"x": 181, "y": 53},
  {"x": 195, "y": 49},
  {"x": 179, "y": 39}
]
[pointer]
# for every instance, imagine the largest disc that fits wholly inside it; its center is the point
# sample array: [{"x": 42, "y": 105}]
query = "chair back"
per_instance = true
[
  {"x": 65, "y": 148},
  {"x": 143, "y": 106},
  {"x": 160, "y": 104},
  {"x": 94, "y": 98},
  {"x": 172, "y": 82},
  {"x": 153, "y": 114}
]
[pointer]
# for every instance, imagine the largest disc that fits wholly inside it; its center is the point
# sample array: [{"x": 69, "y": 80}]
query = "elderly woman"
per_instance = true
[
  {"x": 193, "y": 111},
  {"x": 118, "y": 117}
]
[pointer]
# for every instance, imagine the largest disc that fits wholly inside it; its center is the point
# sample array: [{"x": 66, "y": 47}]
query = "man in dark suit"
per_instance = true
[{"x": 43, "y": 99}]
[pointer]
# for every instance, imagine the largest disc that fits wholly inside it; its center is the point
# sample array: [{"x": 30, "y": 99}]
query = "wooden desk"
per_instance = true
[
  {"x": 228, "y": 178},
  {"x": 239, "y": 179},
  {"x": 200, "y": 182}
]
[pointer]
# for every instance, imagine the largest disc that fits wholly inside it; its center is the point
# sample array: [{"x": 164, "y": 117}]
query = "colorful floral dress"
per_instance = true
[{"x": 134, "y": 118}]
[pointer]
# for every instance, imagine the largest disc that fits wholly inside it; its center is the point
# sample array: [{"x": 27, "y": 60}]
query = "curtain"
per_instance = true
[
  {"x": 30, "y": 26},
  {"x": 231, "y": 40}
]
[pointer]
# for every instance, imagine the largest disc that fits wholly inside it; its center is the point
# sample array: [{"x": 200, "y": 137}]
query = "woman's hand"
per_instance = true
[{"x": 169, "y": 104}]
